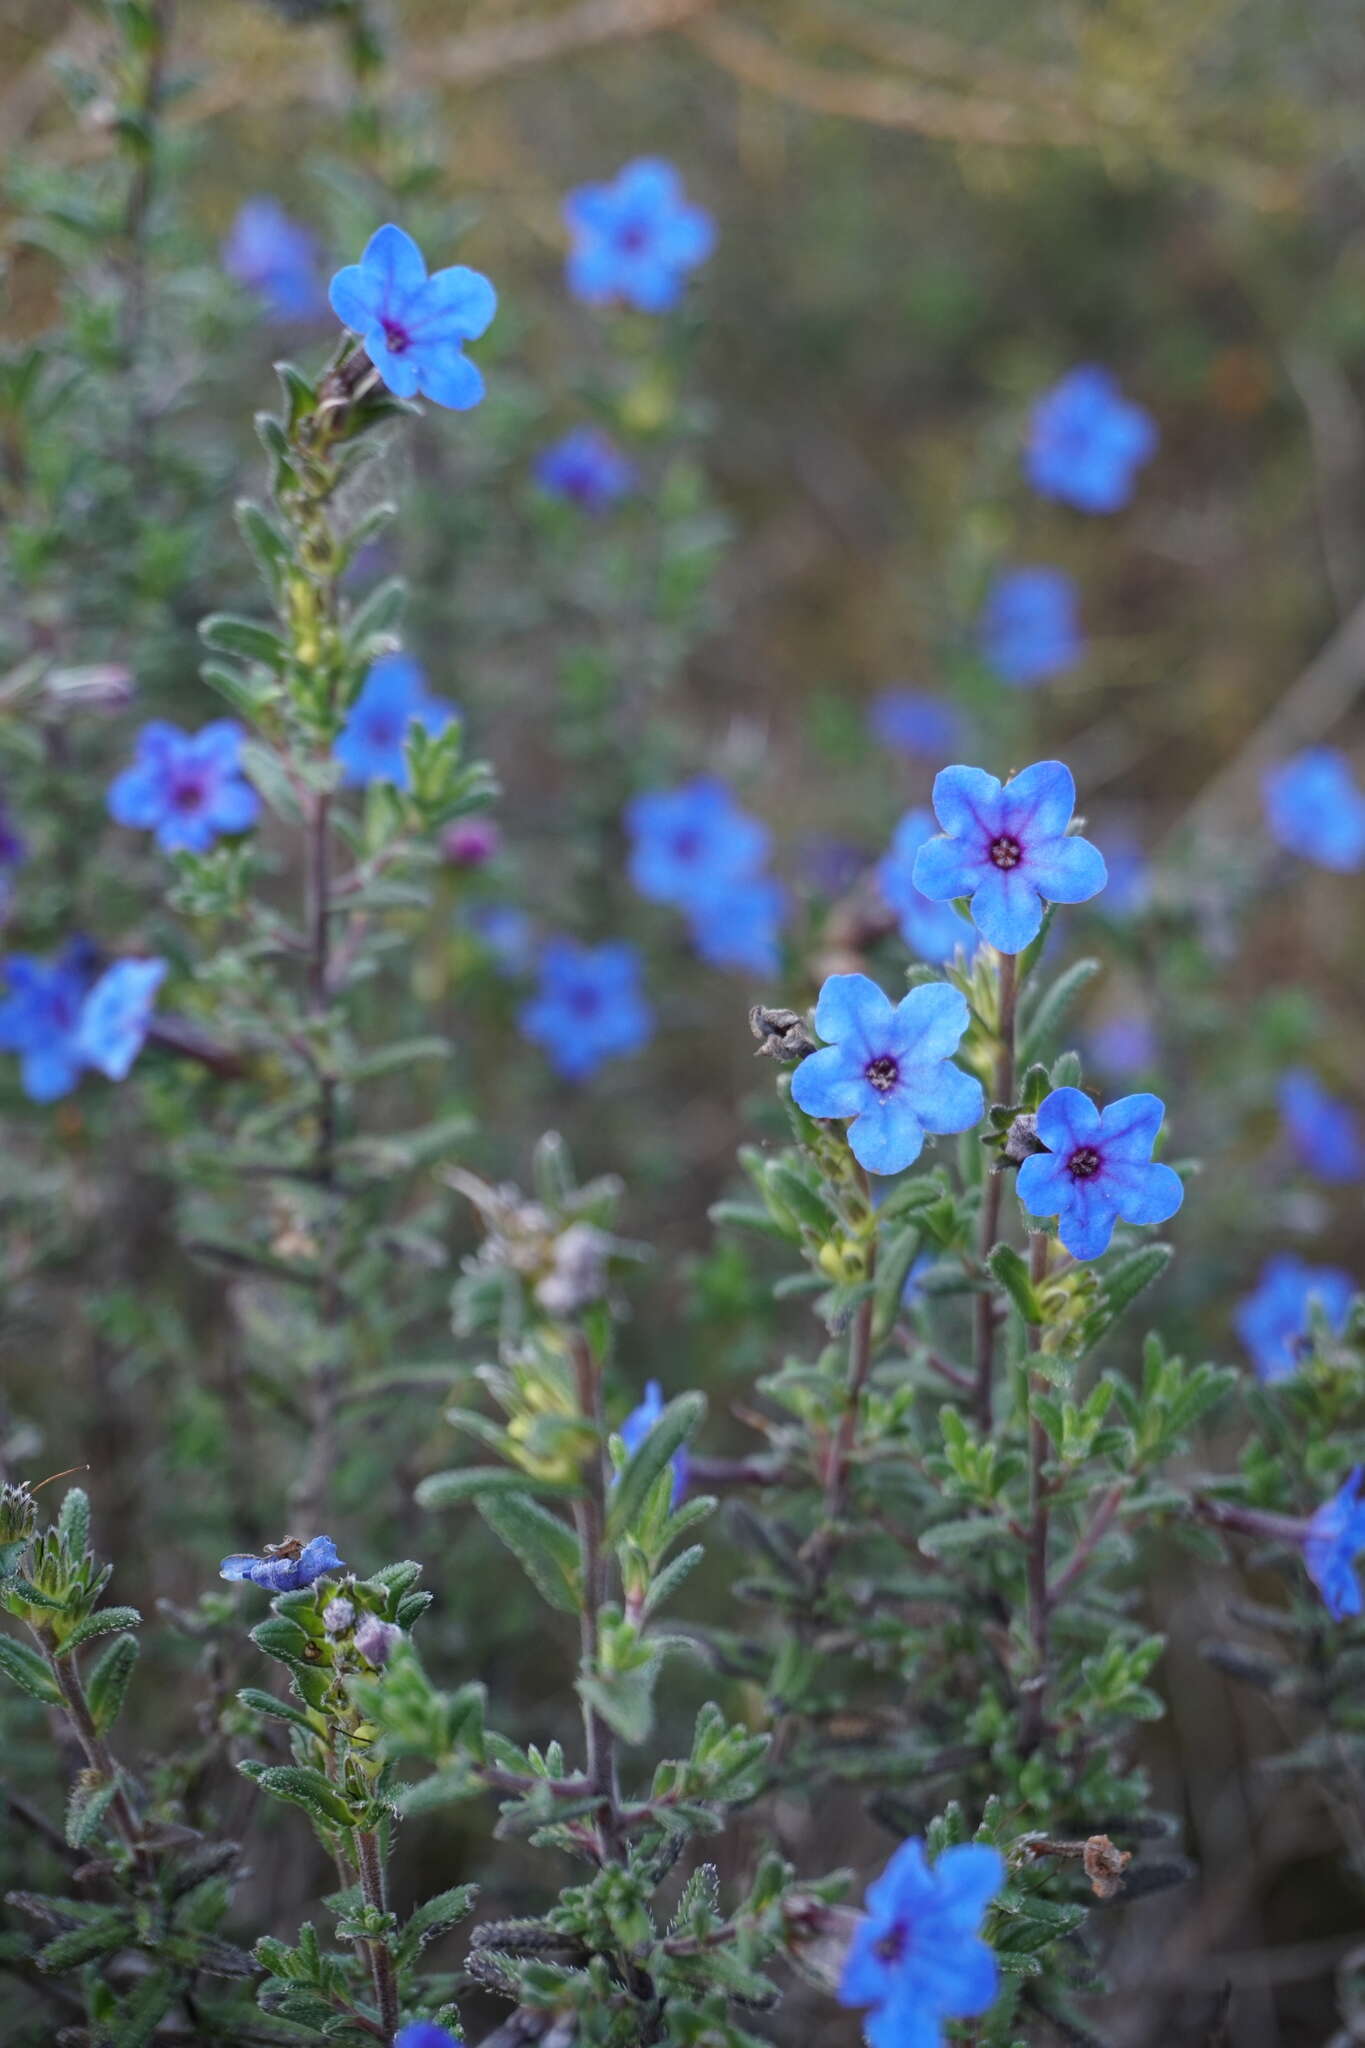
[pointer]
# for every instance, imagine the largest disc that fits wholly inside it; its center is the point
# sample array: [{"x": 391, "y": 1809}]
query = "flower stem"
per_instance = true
[
  {"x": 590, "y": 1514},
  {"x": 1008, "y": 985},
  {"x": 1031, "y": 1712},
  {"x": 67, "y": 1679},
  {"x": 370, "y": 1864}
]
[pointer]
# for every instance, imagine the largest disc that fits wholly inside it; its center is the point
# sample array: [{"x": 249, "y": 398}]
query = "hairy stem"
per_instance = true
[
  {"x": 590, "y": 1515},
  {"x": 1031, "y": 1712},
  {"x": 990, "y": 1199},
  {"x": 1095, "y": 1530},
  {"x": 67, "y": 1679},
  {"x": 370, "y": 1864}
]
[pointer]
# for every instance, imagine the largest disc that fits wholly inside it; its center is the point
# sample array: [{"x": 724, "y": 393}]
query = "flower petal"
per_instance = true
[
  {"x": 1130, "y": 1126},
  {"x": 1067, "y": 1118},
  {"x": 1007, "y": 909},
  {"x": 967, "y": 802},
  {"x": 929, "y": 1023},
  {"x": 1143, "y": 1194},
  {"x": 944, "y": 868},
  {"x": 850, "y": 1007},
  {"x": 1044, "y": 1185},
  {"x": 1086, "y": 1223},
  {"x": 887, "y": 1135},
  {"x": 829, "y": 1083},
  {"x": 943, "y": 1097},
  {"x": 456, "y": 304},
  {"x": 453, "y": 381},
  {"x": 1038, "y": 801},
  {"x": 355, "y": 296},
  {"x": 1066, "y": 870},
  {"x": 394, "y": 259}
]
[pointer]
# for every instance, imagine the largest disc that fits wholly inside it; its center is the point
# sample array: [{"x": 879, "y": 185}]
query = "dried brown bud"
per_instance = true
[
  {"x": 1104, "y": 1865},
  {"x": 1022, "y": 1141},
  {"x": 781, "y": 1034}
]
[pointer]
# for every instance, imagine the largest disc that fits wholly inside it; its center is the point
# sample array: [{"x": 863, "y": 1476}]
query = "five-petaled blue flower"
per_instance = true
[
  {"x": 1316, "y": 809},
  {"x": 639, "y": 1423},
  {"x": 687, "y": 841},
  {"x": 1008, "y": 850},
  {"x": 1336, "y": 1533},
  {"x": 1275, "y": 1320},
  {"x": 1029, "y": 628},
  {"x": 116, "y": 1014},
  {"x": 273, "y": 256},
  {"x": 918, "y": 1958},
  {"x": 40, "y": 1017},
  {"x": 932, "y": 930},
  {"x": 185, "y": 787},
  {"x": 636, "y": 238},
  {"x": 586, "y": 467},
  {"x": 286, "y": 1567},
  {"x": 913, "y": 722},
  {"x": 590, "y": 1006},
  {"x": 738, "y": 924},
  {"x": 889, "y": 1067},
  {"x": 1325, "y": 1131},
  {"x": 1098, "y": 1167},
  {"x": 1087, "y": 440},
  {"x": 393, "y": 697},
  {"x": 413, "y": 326}
]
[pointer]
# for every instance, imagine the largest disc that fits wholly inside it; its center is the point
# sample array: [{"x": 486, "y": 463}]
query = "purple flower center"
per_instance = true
[
  {"x": 584, "y": 1002},
  {"x": 883, "y": 1073},
  {"x": 631, "y": 236},
  {"x": 1084, "y": 1163},
  {"x": 1006, "y": 852},
  {"x": 187, "y": 793},
  {"x": 385, "y": 730},
  {"x": 396, "y": 337},
  {"x": 686, "y": 843},
  {"x": 894, "y": 1943}
]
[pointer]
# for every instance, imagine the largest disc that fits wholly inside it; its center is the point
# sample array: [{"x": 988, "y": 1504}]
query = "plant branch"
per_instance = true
[
  {"x": 1031, "y": 1711},
  {"x": 590, "y": 1523},
  {"x": 988, "y": 1230}
]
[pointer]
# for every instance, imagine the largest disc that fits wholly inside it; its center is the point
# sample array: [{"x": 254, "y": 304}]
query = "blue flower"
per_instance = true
[
  {"x": 116, "y": 1015},
  {"x": 413, "y": 325},
  {"x": 888, "y": 1067},
  {"x": 932, "y": 931},
  {"x": 586, "y": 467},
  {"x": 393, "y": 697},
  {"x": 424, "y": 2034},
  {"x": 40, "y": 1018},
  {"x": 1029, "y": 629},
  {"x": 1129, "y": 884},
  {"x": 1315, "y": 809},
  {"x": 636, "y": 238},
  {"x": 913, "y": 722},
  {"x": 685, "y": 841},
  {"x": 589, "y": 1007},
  {"x": 509, "y": 934},
  {"x": 1008, "y": 850},
  {"x": 1087, "y": 440},
  {"x": 1125, "y": 1044},
  {"x": 286, "y": 1567},
  {"x": 738, "y": 924},
  {"x": 918, "y": 1959},
  {"x": 187, "y": 788},
  {"x": 276, "y": 258},
  {"x": 1336, "y": 1532},
  {"x": 1324, "y": 1131},
  {"x": 1275, "y": 1320},
  {"x": 639, "y": 1423},
  {"x": 1097, "y": 1168}
]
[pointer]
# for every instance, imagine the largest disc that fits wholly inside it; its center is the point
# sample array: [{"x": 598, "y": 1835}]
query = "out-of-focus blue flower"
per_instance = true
[
  {"x": 393, "y": 697},
  {"x": 1087, "y": 440},
  {"x": 275, "y": 257},
  {"x": 932, "y": 931},
  {"x": 639, "y": 1423},
  {"x": 1129, "y": 885},
  {"x": 1008, "y": 849},
  {"x": 414, "y": 326},
  {"x": 1125, "y": 1044},
  {"x": 912, "y": 1293},
  {"x": 587, "y": 468},
  {"x": 1325, "y": 1132},
  {"x": 636, "y": 238},
  {"x": 737, "y": 925},
  {"x": 12, "y": 847},
  {"x": 1029, "y": 628},
  {"x": 187, "y": 788},
  {"x": 509, "y": 934},
  {"x": 590, "y": 1006},
  {"x": 40, "y": 1017},
  {"x": 116, "y": 1014},
  {"x": 1336, "y": 1533},
  {"x": 425, "y": 2034},
  {"x": 1098, "y": 1167},
  {"x": 687, "y": 841},
  {"x": 1274, "y": 1321},
  {"x": 1315, "y": 808},
  {"x": 888, "y": 1067},
  {"x": 289, "y": 1569},
  {"x": 918, "y": 1958},
  {"x": 913, "y": 722}
]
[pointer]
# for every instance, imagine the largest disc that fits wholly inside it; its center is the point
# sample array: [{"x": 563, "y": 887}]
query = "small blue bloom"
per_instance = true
[
  {"x": 510, "y": 936},
  {"x": 918, "y": 1958},
  {"x": 1125, "y": 1044},
  {"x": 1008, "y": 850},
  {"x": 290, "y": 1568},
  {"x": 187, "y": 788},
  {"x": 932, "y": 931},
  {"x": 116, "y": 1015},
  {"x": 913, "y": 722},
  {"x": 393, "y": 697},
  {"x": 687, "y": 841},
  {"x": 424, "y": 2034},
  {"x": 1275, "y": 1320},
  {"x": 636, "y": 238},
  {"x": 737, "y": 925},
  {"x": 1029, "y": 628},
  {"x": 1315, "y": 809},
  {"x": 1129, "y": 885},
  {"x": 40, "y": 1017},
  {"x": 275, "y": 257},
  {"x": 639, "y": 1423},
  {"x": 587, "y": 468},
  {"x": 889, "y": 1067},
  {"x": 1087, "y": 440},
  {"x": 412, "y": 325},
  {"x": 1336, "y": 1533},
  {"x": 590, "y": 1006},
  {"x": 1098, "y": 1167},
  {"x": 1324, "y": 1131}
]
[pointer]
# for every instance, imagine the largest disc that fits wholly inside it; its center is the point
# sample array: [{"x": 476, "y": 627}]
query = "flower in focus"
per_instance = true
[
  {"x": 589, "y": 1007},
  {"x": 1008, "y": 850},
  {"x": 40, "y": 1017},
  {"x": 1325, "y": 1132},
  {"x": 1098, "y": 1167},
  {"x": 377, "y": 1640},
  {"x": 275, "y": 257},
  {"x": 639, "y": 1423},
  {"x": 737, "y": 925},
  {"x": 393, "y": 696},
  {"x": 932, "y": 931},
  {"x": 913, "y": 722},
  {"x": 1087, "y": 440},
  {"x": 889, "y": 1068},
  {"x": 186, "y": 788},
  {"x": 636, "y": 238},
  {"x": 116, "y": 1014},
  {"x": 1275, "y": 1321},
  {"x": 586, "y": 468},
  {"x": 286, "y": 1567},
  {"x": 413, "y": 326},
  {"x": 918, "y": 1958},
  {"x": 1336, "y": 1533},
  {"x": 1315, "y": 809},
  {"x": 1029, "y": 629},
  {"x": 686, "y": 841}
]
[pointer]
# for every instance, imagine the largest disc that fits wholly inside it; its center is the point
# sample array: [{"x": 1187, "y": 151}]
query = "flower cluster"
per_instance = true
[{"x": 61, "y": 1016}]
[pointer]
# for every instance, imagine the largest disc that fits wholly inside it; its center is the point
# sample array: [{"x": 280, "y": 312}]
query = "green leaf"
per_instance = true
[
  {"x": 435, "y": 1917},
  {"x": 86, "y": 1808},
  {"x": 467, "y": 1482},
  {"x": 28, "y": 1671},
  {"x": 378, "y": 615},
  {"x": 959, "y": 1535},
  {"x": 268, "y": 546},
  {"x": 1121, "y": 1286},
  {"x": 624, "y": 1699},
  {"x": 260, "y": 1702},
  {"x": 301, "y": 1787},
  {"x": 679, "y": 1420},
  {"x": 1045, "y": 1016},
  {"x": 1009, "y": 1269},
  {"x": 79, "y": 1945},
  {"x": 545, "y": 1548},
  {"x": 107, "y": 1684},
  {"x": 105, "y": 1621},
  {"x": 137, "y": 2019},
  {"x": 246, "y": 639},
  {"x": 73, "y": 1523}
]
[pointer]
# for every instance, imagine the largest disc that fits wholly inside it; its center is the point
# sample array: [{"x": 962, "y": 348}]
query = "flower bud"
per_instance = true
[
  {"x": 377, "y": 1640},
  {"x": 338, "y": 1615}
]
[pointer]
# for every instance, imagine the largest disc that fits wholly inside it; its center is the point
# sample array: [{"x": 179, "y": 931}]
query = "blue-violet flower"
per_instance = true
[
  {"x": 1007, "y": 848},
  {"x": 1098, "y": 1167},
  {"x": 918, "y": 1958},
  {"x": 912, "y": 722},
  {"x": 1325, "y": 1132},
  {"x": 287, "y": 1567},
  {"x": 1315, "y": 808},
  {"x": 1275, "y": 1320},
  {"x": 276, "y": 258},
  {"x": 413, "y": 326},
  {"x": 1029, "y": 628},
  {"x": 186, "y": 788},
  {"x": 116, "y": 1015},
  {"x": 590, "y": 1006},
  {"x": 586, "y": 468},
  {"x": 636, "y": 238},
  {"x": 639, "y": 1423},
  {"x": 1336, "y": 1533},
  {"x": 393, "y": 697},
  {"x": 1087, "y": 440},
  {"x": 40, "y": 1017},
  {"x": 932, "y": 930}
]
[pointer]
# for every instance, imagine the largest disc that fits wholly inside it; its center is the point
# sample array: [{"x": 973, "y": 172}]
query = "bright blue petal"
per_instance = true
[
  {"x": 829, "y": 1084},
  {"x": 1044, "y": 1184},
  {"x": 944, "y": 1098},
  {"x": 355, "y": 296},
  {"x": 1086, "y": 1221},
  {"x": 1067, "y": 1118},
  {"x": 886, "y": 1136},
  {"x": 967, "y": 803},
  {"x": 853, "y": 1011},
  {"x": 928, "y": 1023},
  {"x": 1066, "y": 870},
  {"x": 946, "y": 868},
  {"x": 1038, "y": 801},
  {"x": 1130, "y": 1126},
  {"x": 1144, "y": 1194},
  {"x": 1006, "y": 908},
  {"x": 395, "y": 260}
]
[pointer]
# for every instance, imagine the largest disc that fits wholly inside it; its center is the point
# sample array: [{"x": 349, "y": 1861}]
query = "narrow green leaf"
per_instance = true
[
  {"x": 546, "y": 1549},
  {"x": 1009, "y": 1269},
  {"x": 107, "y": 1685},
  {"x": 467, "y": 1482},
  {"x": 680, "y": 1419},
  {"x": 28, "y": 1671},
  {"x": 1046, "y": 1014},
  {"x": 301, "y": 1787},
  {"x": 105, "y": 1621}
]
